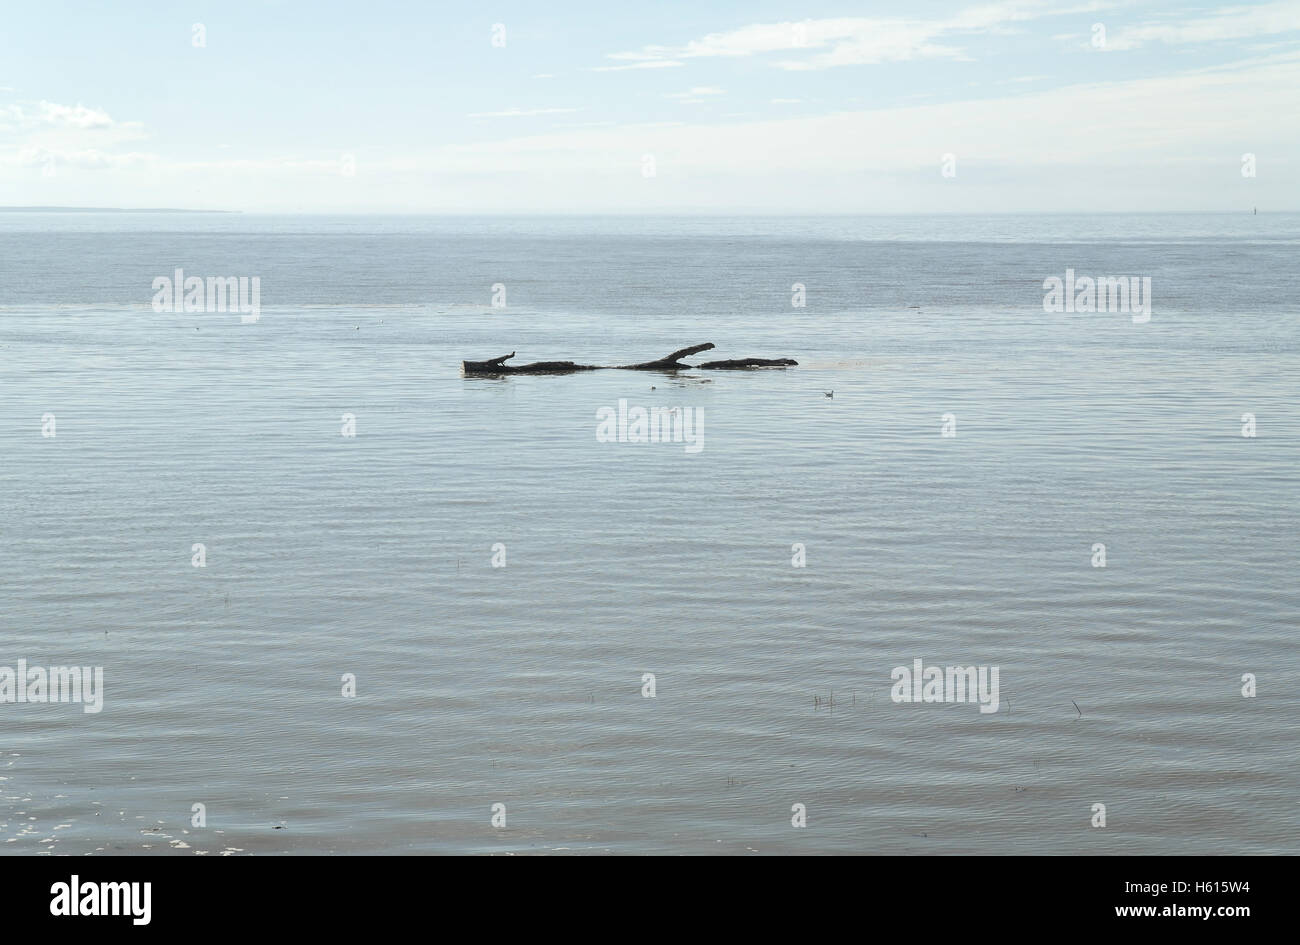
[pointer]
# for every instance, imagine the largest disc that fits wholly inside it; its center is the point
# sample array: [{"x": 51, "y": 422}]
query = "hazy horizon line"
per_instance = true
[{"x": 638, "y": 213}]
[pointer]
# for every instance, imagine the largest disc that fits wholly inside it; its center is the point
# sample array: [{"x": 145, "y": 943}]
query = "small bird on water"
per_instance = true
[{"x": 830, "y": 393}]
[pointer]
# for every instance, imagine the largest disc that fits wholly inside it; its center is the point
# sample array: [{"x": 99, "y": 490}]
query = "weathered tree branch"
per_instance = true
[{"x": 668, "y": 362}]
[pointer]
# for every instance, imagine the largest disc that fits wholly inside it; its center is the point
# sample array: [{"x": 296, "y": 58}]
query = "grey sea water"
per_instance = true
[{"x": 521, "y": 685}]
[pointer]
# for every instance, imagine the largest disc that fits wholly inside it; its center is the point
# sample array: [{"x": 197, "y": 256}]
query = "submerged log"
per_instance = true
[
  {"x": 741, "y": 364},
  {"x": 499, "y": 366},
  {"x": 669, "y": 362}
]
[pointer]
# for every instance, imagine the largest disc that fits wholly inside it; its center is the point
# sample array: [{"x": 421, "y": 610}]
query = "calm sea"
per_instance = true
[{"x": 331, "y": 557}]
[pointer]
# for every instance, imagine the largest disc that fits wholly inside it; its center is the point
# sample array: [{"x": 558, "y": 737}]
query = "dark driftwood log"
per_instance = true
[
  {"x": 742, "y": 363},
  {"x": 499, "y": 366},
  {"x": 670, "y": 362}
]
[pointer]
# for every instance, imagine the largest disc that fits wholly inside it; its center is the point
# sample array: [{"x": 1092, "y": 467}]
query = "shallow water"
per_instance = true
[{"x": 522, "y": 685}]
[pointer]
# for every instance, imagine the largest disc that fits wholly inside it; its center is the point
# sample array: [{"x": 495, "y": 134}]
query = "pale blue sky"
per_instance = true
[{"x": 760, "y": 106}]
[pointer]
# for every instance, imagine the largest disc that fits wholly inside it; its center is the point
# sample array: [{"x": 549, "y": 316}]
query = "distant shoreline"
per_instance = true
[{"x": 108, "y": 210}]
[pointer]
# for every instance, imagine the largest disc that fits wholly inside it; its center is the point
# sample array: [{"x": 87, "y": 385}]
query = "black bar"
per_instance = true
[{"x": 985, "y": 896}]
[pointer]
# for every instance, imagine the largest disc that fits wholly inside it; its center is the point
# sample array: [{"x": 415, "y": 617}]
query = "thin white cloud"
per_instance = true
[
  {"x": 325, "y": 166},
  {"x": 90, "y": 159},
  {"x": 522, "y": 112},
  {"x": 74, "y": 116},
  {"x": 53, "y": 115},
  {"x": 787, "y": 101},
  {"x": 845, "y": 41},
  {"x": 696, "y": 94},
  {"x": 650, "y": 64},
  {"x": 1242, "y": 22}
]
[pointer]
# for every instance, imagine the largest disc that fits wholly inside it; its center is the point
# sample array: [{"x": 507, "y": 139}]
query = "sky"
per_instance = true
[{"x": 905, "y": 106}]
